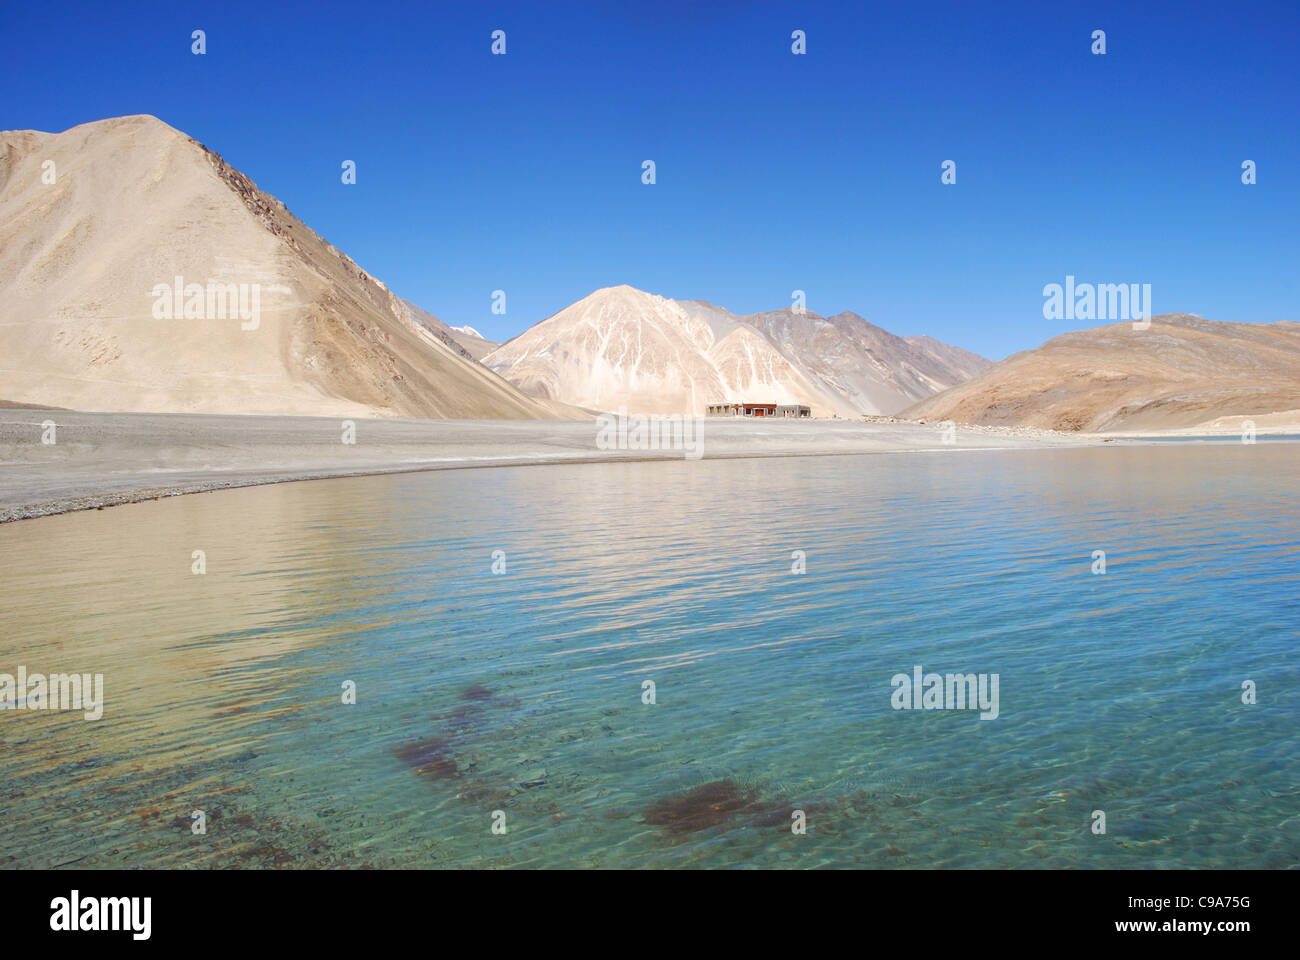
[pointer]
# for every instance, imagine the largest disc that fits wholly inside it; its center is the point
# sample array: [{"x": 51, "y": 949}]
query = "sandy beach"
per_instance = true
[{"x": 104, "y": 459}]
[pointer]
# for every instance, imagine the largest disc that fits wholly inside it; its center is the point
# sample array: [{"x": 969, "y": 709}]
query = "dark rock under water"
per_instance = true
[
  {"x": 700, "y": 808},
  {"x": 429, "y": 757}
]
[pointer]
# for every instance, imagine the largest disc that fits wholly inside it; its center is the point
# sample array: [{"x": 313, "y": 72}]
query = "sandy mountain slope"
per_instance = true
[
  {"x": 135, "y": 204},
  {"x": 623, "y": 347},
  {"x": 954, "y": 363},
  {"x": 472, "y": 346},
  {"x": 1182, "y": 372},
  {"x": 477, "y": 345},
  {"x": 877, "y": 371}
]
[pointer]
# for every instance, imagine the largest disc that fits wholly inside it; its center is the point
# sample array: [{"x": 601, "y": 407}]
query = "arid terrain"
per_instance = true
[
  {"x": 181, "y": 399},
  {"x": 135, "y": 204},
  {"x": 1183, "y": 373},
  {"x": 621, "y": 346}
]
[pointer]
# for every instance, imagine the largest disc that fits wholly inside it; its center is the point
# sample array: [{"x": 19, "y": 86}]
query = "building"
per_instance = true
[{"x": 759, "y": 410}]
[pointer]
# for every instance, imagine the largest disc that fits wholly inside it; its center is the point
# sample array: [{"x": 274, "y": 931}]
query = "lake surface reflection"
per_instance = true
[{"x": 522, "y": 691}]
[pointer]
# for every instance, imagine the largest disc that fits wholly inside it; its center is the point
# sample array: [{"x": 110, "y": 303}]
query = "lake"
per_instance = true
[{"x": 501, "y": 719}]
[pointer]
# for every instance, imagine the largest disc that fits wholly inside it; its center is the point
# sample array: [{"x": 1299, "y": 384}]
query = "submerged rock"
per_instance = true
[
  {"x": 700, "y": 808},
  {"x": 430, "y": 757}
]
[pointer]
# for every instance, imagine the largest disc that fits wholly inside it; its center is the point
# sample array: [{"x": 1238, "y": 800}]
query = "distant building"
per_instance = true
[{"x": 759, "y": 410}]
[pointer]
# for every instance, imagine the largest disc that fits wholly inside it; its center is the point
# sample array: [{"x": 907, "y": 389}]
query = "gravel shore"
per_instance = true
[{"x": 100, "y": 460}]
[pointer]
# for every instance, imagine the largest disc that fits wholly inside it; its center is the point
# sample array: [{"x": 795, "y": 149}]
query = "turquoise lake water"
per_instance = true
[{"x": 521, "y": 692}]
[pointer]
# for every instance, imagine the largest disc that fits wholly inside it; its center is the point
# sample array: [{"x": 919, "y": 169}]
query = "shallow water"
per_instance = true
[{"x": 521, "y": 692}]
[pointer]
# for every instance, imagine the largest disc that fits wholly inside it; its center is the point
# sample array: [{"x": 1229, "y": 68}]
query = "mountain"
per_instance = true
[
  {"x": 470, "y": 346},
  {"x": 474, "y": 342},
  {"x": 621, "y": 346},
  {"x": 268, "y": 317},
  {"x": 1181, "y": 372},
  {"x": 877, "y": 371}
]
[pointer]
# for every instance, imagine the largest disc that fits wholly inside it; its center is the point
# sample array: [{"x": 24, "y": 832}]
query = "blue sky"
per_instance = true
[{"x": 775, "y": 172}]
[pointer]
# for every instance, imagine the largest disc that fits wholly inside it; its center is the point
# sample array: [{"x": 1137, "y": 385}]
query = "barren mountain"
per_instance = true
[
  {"x": 623, "y": 347},
  {"x": 877, "y": 371},
  {"x": 140, "y": 272},
  {"x": 466, "y": 341},
  {"x": 1181, "y": 372},
  {"x": 478, "y": 345}
]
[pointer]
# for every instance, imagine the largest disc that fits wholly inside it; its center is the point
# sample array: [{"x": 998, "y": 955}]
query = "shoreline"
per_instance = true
[
  {"x": 76, "y": 504},
  {"x": 101, "y": 460}
]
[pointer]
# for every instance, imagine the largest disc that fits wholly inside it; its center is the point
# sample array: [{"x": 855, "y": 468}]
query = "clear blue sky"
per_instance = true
[{"x": 775, "y": 172}]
